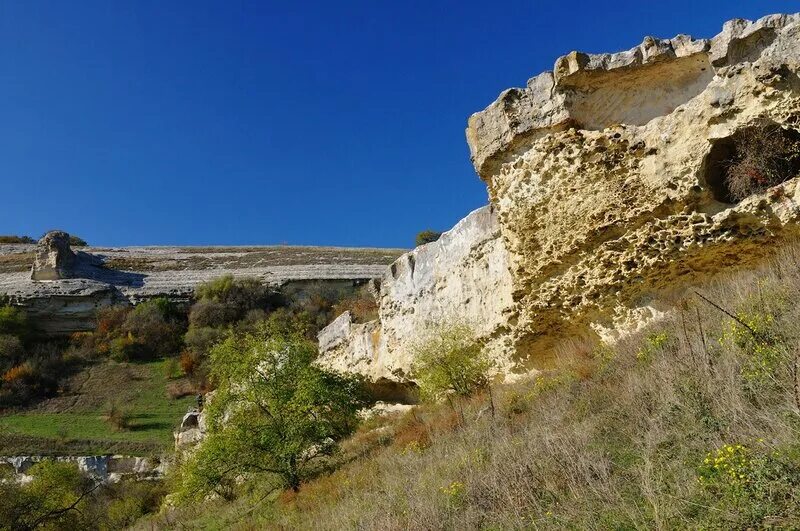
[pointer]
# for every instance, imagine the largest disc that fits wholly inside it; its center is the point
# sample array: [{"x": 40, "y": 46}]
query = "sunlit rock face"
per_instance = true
[
  {"x": 53, "y": 258},
  {"x": 462, "y": 277},
  {"x": 606, "y": 184},
  {"x": 607, "y": 174}
]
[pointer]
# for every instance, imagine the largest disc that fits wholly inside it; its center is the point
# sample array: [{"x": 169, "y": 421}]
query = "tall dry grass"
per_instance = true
[{"x": 614, "y": 439}]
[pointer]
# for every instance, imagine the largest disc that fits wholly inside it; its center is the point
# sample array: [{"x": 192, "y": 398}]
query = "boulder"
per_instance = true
[{"x": 53, "y": 258}]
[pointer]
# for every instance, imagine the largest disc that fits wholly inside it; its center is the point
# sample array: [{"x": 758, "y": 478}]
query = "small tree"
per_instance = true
[
  {"x": 427, "y": 236},
  {"x": 57, "y": 497},
  {"x": 451, "y": 362},
  {"x": 274, "y": 412}
]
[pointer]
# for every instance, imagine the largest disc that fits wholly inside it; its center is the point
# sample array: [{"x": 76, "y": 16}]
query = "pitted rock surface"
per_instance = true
[
  {"x": 53, "y": 259},
  {"x": 603, "y": 175}
]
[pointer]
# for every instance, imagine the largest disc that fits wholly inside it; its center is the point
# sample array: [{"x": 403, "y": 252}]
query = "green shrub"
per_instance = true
[
  {"x": 200, "y": 339},
  {"x": 154, "y": 326},
  {"x": 76, "y": 241},
  {"x": 11, "y": 351},
  {"x": 125, "y": 348},
  {"x": 14, "y": 321},
  {"x": 57, "y": 497},
  {"x": 427, "y": 236},
  {"x": 212, "y": 314},
  {"x": 274, "y": 412},
  {"x": 16, "y": 239},
  {"x": 745, "y": 487},
  {"x": 450, "y": 361},
  {"x": 118, "y": 417}
]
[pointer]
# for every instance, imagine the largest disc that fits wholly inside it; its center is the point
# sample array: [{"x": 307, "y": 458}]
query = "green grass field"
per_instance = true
[{"x": 74, "y": 421}]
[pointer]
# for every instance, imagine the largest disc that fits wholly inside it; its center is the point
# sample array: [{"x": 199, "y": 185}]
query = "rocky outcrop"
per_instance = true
[
  {"x": 68, "y": 287},
  {"x": 102, "y": 468},
  {"x": 462, "y": 277},
  {"x": 191, "y": 430},
  {"x": 607, "y": 179},
  {"x": 53, "y": 259},
  {"x": 607, "y": 175}
]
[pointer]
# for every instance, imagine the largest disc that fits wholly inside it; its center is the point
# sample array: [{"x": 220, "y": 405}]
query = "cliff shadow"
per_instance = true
[{"x": 92, "y": 266}]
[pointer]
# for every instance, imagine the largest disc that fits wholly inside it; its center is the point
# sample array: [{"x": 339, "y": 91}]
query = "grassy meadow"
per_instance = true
[{"x": 75, "y": 420}]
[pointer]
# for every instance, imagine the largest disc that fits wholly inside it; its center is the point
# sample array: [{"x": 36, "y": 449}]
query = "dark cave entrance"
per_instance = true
[{"x": 750, "y": 161}]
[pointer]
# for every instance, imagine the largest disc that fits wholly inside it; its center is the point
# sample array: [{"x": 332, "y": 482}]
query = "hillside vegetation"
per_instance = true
[{"x": 692, "y": 423}]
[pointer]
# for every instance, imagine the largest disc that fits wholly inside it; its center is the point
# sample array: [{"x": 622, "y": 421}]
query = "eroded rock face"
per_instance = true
[
  {"x": 462, "y": 277},
  {"x": 603, "y": 176},
  {"x": 101, "y": 468},
  {"x": 53, "y": 259},
  {"x": 606, "y": 178},
  {"x": 96, "y": 277}
]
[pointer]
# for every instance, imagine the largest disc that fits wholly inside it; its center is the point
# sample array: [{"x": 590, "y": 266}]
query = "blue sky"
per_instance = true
[{"x": 231, "y": 122}]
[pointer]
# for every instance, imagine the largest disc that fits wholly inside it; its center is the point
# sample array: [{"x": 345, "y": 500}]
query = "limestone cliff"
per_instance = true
[
  {"x": 463, "y": 276},
  {"x": 65, "y": 288},
  {"x": 607, "y": 173},
  {"x": 606, "y": 177}
]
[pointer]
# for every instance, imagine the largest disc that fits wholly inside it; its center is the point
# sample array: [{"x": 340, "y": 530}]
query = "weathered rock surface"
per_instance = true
[
  {"x": 101, "y": 276},
  {"x": 606, "y": 176},
  {"x": 102, "y": 468},
  {"x": 191, "y": 430},
  {"x": 463, "y": 276},
  {"x": 53, "y": 259}
]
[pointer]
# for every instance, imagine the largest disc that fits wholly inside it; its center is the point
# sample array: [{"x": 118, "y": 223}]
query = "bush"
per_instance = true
[
  {"x": 14, "y": 321},
  {"x": 75, "y": 241},
  {"x": 189, "y": 362},
  {"x": 125, "y": 348},
  {"x": 314, "y": 303},
  {"x": 110, "y": 320},
  {"x": 172, "y": 368},
  {"x": 210, "y": 314},
  {"x": 11, "y": 351},
  {"x": 19, "y": 374},
  {"x": 242, "y": 293},
  {"x": 58, "y": 496},
  {"x": 200, "y": 339},
  {"x": 427, "y": 236},
  {"x": 450, "y": 361},
  {"x": 274, "y": 412},
  {"x": 749, "y": 486},
  {"x": 153, "y": 326},
  {"x": 765, "y": 156},
  {"x": 16, "y": 239},
  {"x": 117, "y": 417},
  {"x": 129, "y": 501}
]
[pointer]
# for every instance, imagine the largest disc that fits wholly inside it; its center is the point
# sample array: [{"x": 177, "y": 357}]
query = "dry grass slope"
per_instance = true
[{"x": 691, "y": 424}]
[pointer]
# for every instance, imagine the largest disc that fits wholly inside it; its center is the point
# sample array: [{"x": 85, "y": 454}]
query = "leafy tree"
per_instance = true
[
  {"x": 427, "y": 236},
  {"x": 274, "y": 412},
  {"x": 450, "y": 362},
  {"x": 55, "y": 498},
  {"x": 14, "y": 321}
]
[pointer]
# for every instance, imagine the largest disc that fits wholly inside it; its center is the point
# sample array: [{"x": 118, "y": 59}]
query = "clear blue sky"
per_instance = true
[{"x": 229, "y": 122}]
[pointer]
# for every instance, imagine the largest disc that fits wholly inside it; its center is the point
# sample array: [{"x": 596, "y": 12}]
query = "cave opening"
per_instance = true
[{"x": 750, "y": 161}]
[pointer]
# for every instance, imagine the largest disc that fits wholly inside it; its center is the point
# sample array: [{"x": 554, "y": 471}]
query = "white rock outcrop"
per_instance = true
[
  {"x": 463, "y": 277},
  {"x": 606, "y": 179}
]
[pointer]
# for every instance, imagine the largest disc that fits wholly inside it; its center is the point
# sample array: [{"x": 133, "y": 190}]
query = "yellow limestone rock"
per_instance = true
[{"x": 606, "y": 183}]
